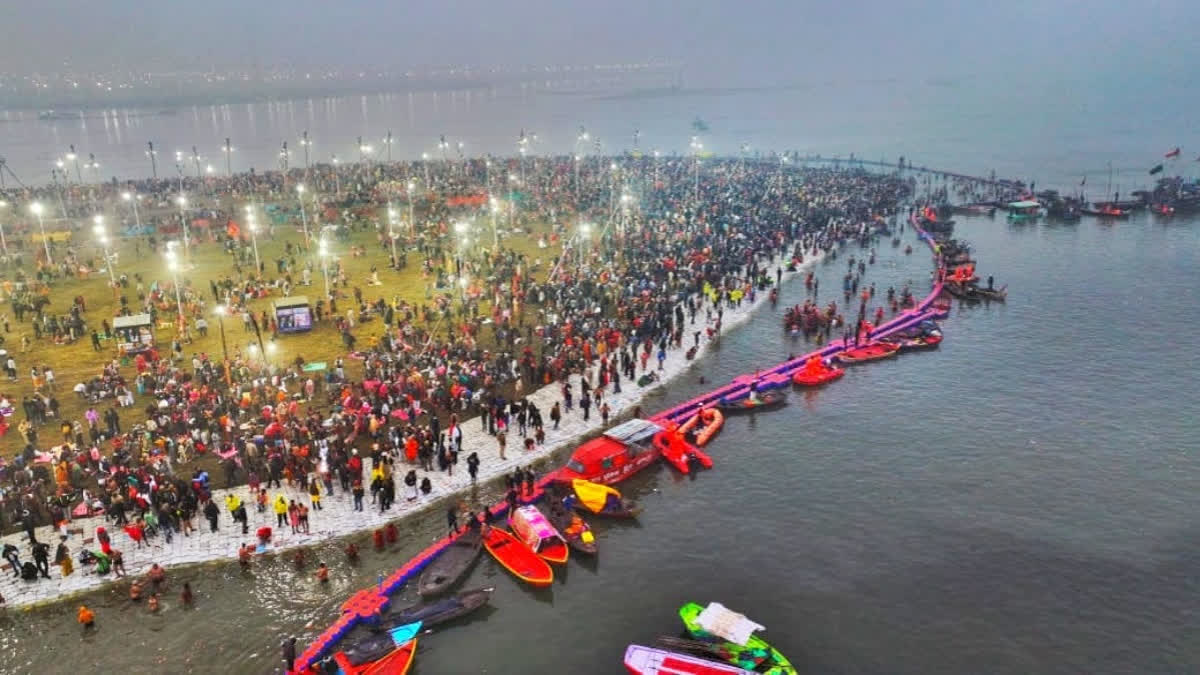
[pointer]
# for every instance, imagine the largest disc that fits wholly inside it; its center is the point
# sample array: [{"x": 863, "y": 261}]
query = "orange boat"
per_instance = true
[
  {"x": 815, "y": 373},
  {"x": 711, "y": 418},
  {"x": 532, "y": 528},
  {"x": 518, "y": 558},
  {"x": 396, "y": 663},
  {"x": 871, "y": 352}
]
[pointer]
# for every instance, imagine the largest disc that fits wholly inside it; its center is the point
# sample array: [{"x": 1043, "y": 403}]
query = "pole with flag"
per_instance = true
[{"x": 1173, "y": 154}]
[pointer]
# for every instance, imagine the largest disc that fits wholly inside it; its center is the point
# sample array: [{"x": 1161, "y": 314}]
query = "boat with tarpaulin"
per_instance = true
[
  {"x": 535, "y": 531},
  {"x": 598, "y": 499},
  {"x": 734, "y": 632}
]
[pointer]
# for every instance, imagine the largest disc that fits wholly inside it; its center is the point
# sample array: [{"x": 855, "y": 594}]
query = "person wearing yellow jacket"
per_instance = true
[{"x": 281, "y": 506}]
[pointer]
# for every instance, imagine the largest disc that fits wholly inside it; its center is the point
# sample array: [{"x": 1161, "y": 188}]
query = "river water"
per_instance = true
[{"x": 1021, "y": 500}]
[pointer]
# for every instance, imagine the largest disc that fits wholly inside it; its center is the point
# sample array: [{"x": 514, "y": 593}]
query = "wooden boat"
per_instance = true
[
  {"x": 975, "y": 294},
  {"x": 379, "y": 644},
  {"x": 600, "y": 500},
  {"x": 574, "y": 529},
  {"x": 763, "y": 401},
  {"x": 1106, "y": 212},
  {"x": 868, "y": 352},
  {"x": 451, "y": 565},
  {"x": 735, "y": 633},
  {"x": 531, "y": 527},
  {"x": 1024, "y": 210},
  {"x": 517, "y": 558},
  {"x": 641, "y": 660}
]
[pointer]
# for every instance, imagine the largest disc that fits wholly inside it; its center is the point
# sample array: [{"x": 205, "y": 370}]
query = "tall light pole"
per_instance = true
[
  {"x": 304, "y": 143},
  {"x": 425, "y": 161},
  {"x": 173, "y": 265},
  {"x": 657, "y": 154},
  {"x": 228, "y": 149},
  {"x": 697, "y": 146},
  {"x": 153, "y": 161},
  {"x": 253, "y": 225},
  {"x": 323, "y": 251},
  {"x": 337, "y": 176},
  {"x": 102, "y": 237},
  {"x": 94, "y": 166},
  {"x": 37, "y": 210},
  {"x": 196, "y": 161},
  {"x": 412, "y": 223},
  {"x": 303, "y": 213},
  {"x": 580, "y": 139},
  {"x": 443, "y": 146},
  {"x": 182, "y": 201},
  {"x": 3, "y": 241},
  {"x": 220, "y": 311},
  {"x": 391, "y": 213},
  {"x": 133, "y": 199},
  {"x": 495, "y": 207},
  {"x": 71, "y": 156},
  {"x": 387, "y": 143}
]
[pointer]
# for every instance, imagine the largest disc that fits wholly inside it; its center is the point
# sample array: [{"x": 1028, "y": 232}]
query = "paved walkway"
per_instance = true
[{"x": 338, "y": 518}]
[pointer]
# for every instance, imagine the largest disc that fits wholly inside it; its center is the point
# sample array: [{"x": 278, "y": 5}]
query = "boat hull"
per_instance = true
[{"x": 517, "y": 558}]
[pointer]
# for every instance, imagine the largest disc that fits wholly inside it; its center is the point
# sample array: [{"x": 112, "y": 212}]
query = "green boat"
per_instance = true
[
  {"x": 1023, "y": 210},
  {"x": 745, "y": 650}
]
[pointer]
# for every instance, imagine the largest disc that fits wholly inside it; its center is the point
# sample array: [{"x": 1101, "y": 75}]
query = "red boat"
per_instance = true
[
  {"x": 805, "y": 378},
  {"x": 641, "y": 660},
  {"x": 870, "y": 352},
  {"x": 679, "y": 453},
  {"x": 621, "y": 452},
  {"x": 396, "y": 663},
  {"x": 518, "y": 558}
]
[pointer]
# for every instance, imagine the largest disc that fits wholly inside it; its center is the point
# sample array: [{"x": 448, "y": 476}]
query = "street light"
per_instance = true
[
  {"x": 220, "y": 311},
  {"x": 3, "y": 241},
  {"x": 102, "y": 237},
  {"x": 182, "y": 201},
  {"x": 392, "y": 232},
  {"x": 412, "y": 224},
  {"x": 37, "y": 210},
  {"x": 323, "y": 251},
  {"x": 585, "y": 231},
  {"x": 495, "y": 204},
  {"x": 387, "y": 143},
  {"x": 304, "y": 142},
  {"x": 303, "y": 214},
  {"x": 71, "y": 156},
  {"x": 173, "y": 266},
  {"x": 425, "y": 161},
  {"x": 250, "y": 222},
  {"x": 133, "y": 199}
]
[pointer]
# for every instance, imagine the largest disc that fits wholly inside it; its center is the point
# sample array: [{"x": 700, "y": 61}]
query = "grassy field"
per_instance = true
[{"x": 73, "y": 363}]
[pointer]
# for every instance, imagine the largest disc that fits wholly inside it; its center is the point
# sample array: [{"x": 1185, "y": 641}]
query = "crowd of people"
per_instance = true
[{"x": 494, "y": 325}]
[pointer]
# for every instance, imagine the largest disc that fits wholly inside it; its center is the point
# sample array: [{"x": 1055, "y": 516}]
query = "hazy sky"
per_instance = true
[{"x": 722, "y": 43}]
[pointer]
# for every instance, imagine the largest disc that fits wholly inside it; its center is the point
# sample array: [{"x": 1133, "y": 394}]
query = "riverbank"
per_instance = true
[{"x": 337, "y": 518}]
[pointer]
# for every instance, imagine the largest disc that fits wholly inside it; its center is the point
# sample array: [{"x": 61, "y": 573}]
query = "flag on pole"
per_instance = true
[
  {"x": 1156, "y": 169},
  {"x": 1172, "y": 154},
  {"x": 1083, "y": 182}
]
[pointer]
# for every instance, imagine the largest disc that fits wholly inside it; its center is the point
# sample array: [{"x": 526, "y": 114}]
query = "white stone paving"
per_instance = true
[{"x": 338, "y": 518}]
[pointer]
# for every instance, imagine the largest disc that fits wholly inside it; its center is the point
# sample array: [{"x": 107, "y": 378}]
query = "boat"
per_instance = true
[
  {"x": 641, "y": 660},
  {"x": 451, "y": 565},
  {"x": 517, "y": 558},
  {"x": 735, "y": 633},
  {"x": 574, "y": 529},
  {"x": 974, "y": 209},
  {"x": 379, "y": 644},
  {"x": 973, "y": 293},
  {"x": 616, "y": 455},
  {"x": 815, "y": 373},
  {"x": 710, "y": 418},
  {"x": 601, "y": 500},
  {"x": 762, "y": 401},
  {"x": 922, "y": 329},
  {"x": 1121, "y": 205},
  {"x": 1023, "y": 210},
  {"x": 868, "y": 352},
  {"x": 1106, "y": 211},
  {"x": 678, "y": 452},
  {"x": 911, "y": 344},
  {"x": 531, "y": 527},
  {"x": 397, "y": 661}
]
